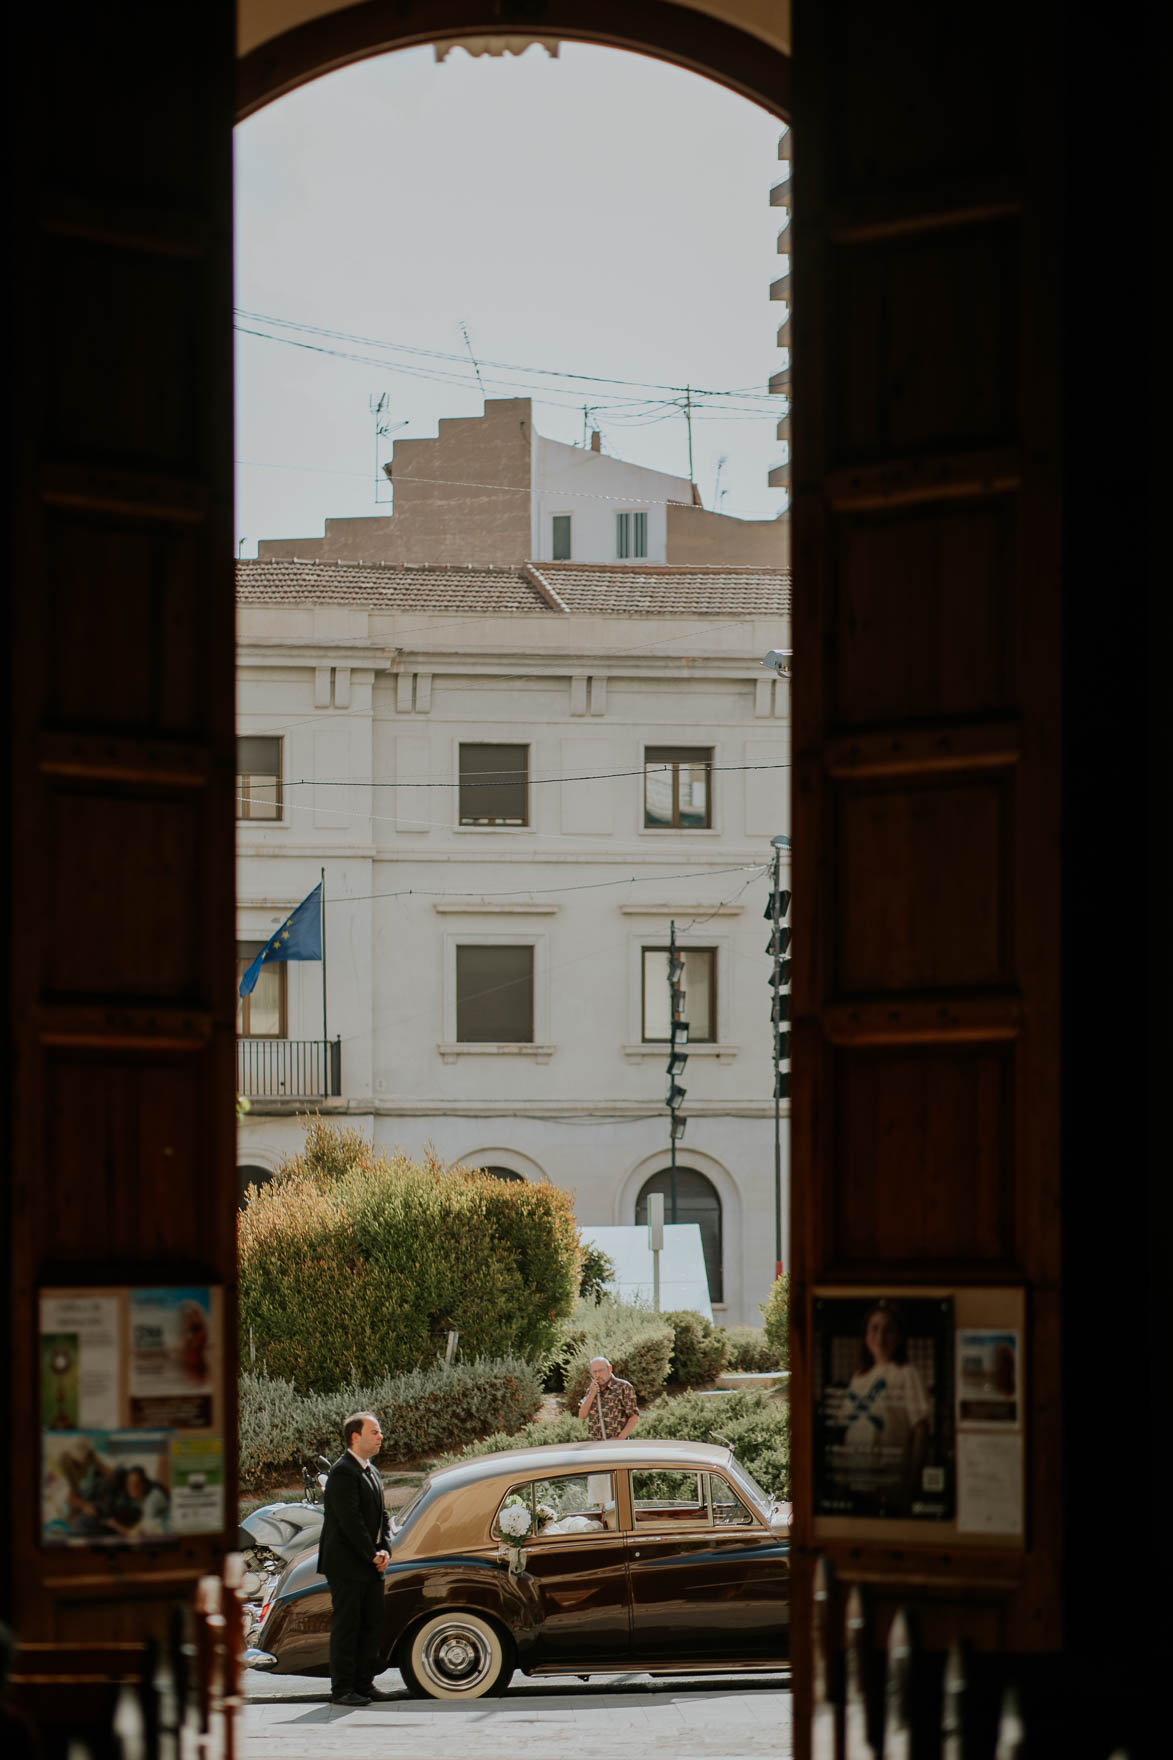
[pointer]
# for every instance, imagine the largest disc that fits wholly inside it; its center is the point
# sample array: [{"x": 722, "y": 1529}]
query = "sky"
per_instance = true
[{"x": 598, "y": 214}]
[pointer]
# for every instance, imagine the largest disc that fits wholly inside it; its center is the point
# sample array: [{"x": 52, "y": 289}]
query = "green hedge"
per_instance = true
[
  {"x": 750, "y": 1351},
  {"x": 563, "y": 1428},
  {"x": 422, "y": 1413},
  {"x": 354, "y": 1264},
  {"x": 776, "y": 1314},
  {"x": 636, "y": 1342},
  {"x": 699, "y": 1349},
  {"x": 754, "y": 1426}
]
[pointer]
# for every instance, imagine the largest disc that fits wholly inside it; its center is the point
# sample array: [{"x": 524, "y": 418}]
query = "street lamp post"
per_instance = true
[
  {"x": 677, "y": 1058},
  {"x": 779, "y": 946}
]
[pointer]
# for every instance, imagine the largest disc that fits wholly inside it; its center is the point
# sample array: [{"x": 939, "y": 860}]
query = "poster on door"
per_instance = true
[{"x": 883, "y": 1410}]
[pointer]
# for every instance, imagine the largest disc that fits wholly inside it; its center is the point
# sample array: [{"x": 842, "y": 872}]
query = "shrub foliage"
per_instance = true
[
  {"x": 636, "y": 1342},
  {"x": 355, "y": 1265},
  {"x": 699, "y": 1349},
  {"x": 750, "y": 1351},
  {"x": 755, "y": 1427},
  {"x": 422, "y": 1413},
  {"x": 776, "y": 1314}
]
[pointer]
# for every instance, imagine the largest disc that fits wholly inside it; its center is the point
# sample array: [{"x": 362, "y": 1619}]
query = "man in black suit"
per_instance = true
[{"x": 353, "y": 1555}]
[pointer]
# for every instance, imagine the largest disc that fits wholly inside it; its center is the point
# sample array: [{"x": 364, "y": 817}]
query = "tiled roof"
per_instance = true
[
  {"x": 390, "y": 588},
  {"x": 624, "y": 590},
  {"x": 666, "y": 590}
]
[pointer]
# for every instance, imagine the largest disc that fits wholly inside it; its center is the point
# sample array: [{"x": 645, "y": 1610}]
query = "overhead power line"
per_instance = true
[{"x": 510, "y": 778}]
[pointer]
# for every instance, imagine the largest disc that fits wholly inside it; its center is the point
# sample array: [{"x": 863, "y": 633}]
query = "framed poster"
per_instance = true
[{"x": 883, "y": 1419}]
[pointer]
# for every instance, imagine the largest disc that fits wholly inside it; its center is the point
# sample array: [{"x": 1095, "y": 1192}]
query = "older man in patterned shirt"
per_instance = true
[{"x": 609, "y": 1404}]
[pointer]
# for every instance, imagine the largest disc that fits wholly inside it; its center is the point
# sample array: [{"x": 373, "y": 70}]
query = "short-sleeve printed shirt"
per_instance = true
[{"x": 611, "y": 1409}]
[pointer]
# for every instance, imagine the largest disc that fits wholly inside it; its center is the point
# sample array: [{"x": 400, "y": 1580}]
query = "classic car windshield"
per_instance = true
[
  {"x": 570, "y": 1503},
  {"x": 401, "y": 1517},
  {"x": 746, "y": 1482}
]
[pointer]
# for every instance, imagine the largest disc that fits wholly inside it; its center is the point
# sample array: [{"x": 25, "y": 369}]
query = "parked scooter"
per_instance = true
[{"x": 277, "y": 1533}]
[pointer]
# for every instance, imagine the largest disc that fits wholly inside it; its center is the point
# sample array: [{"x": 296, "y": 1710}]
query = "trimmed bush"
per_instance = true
[
  {"x": 699, "y": 1350},
  {"x": 422, "y": 1413},
  {"x": 750, "y": 1351},
  {"x": 636, "y": 1342},
  {"x": 598, "y": 1272},
  {"x": 354, "y": 1264},
  {"x": 564, "y": 1428},
  {"x": 754, "y": 1426},
  {"x": 776, "y": 1314}
]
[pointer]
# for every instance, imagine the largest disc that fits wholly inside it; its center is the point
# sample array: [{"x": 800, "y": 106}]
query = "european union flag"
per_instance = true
[{"x": 299, "y": 937}]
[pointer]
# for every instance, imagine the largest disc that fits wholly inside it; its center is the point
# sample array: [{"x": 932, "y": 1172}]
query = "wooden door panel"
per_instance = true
[
  {"x": 898, "y": 383},
  {"x": 121, "y": 1118},
  {"x": 926, "y": 996},
  {"x": 920, "y": 1159},
  {"x": 87, "y": 631},
  {"x": 932, "y": 913},
  {"x": 949, "y": 652}
]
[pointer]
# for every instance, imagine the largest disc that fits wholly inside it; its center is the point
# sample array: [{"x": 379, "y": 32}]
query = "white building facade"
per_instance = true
[{"x": 515, "y": 781}]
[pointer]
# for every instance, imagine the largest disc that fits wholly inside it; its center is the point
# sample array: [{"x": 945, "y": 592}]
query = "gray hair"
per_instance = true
[{"x": 604, "y": 1360}]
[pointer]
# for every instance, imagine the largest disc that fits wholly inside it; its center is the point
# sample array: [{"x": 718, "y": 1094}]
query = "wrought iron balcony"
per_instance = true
[{"x": 289, "y": 1069}]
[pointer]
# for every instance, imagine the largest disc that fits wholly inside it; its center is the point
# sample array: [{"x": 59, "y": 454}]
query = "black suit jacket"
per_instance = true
[{"x": 355, "y": 1525}]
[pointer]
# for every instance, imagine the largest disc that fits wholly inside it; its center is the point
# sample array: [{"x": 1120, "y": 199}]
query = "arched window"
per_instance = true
[
  {"x": 501, "y": 1172},
  {"x": 696, "y": 1201},
  {"x": 249, "y": 1177}
]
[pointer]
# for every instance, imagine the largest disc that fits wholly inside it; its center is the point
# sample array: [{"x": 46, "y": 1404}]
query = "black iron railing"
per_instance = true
[{"x": 289, "y": 1069}]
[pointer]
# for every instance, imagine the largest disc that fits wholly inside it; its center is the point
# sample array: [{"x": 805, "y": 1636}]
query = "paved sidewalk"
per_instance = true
[{"x": 620, "y": 1717}]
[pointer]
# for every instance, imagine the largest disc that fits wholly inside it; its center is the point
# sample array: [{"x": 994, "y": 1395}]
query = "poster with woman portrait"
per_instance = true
[{"x": 883, "y": 1406}]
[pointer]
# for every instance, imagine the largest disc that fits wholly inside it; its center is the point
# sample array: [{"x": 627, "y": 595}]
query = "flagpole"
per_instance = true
[{"x": 325, "y": 1028}]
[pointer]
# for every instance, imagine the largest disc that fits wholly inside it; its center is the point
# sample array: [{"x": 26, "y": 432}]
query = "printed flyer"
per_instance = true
[
  {"x": 197, "y": 1484},
  {"x": 105, "y": 1487},
  {"x": 81, "y": 1386},
  {"x": 171, "y": 1358}
]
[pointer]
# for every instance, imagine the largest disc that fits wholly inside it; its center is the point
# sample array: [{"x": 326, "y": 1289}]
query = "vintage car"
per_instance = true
[{"x": 586, "y": 1558}]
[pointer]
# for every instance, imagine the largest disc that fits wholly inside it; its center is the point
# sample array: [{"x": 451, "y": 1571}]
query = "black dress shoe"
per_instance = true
[
  {"x": 349, "y": 1699},
  {"x": 376, "y": 1693}
]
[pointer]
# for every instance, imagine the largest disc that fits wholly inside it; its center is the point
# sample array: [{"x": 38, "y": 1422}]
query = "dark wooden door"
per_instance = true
[
  {"x": 927, "y": 781},
  {"x": 120, "y": 1120}
]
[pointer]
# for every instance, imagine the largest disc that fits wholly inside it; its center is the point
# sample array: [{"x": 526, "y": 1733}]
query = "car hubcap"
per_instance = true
[{"x": 455, "y": 1656}]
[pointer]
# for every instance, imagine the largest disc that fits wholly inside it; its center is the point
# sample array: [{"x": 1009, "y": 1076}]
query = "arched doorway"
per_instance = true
[
  {"x": 250, "y": 1177},
  {"x": 697, "y": 1200}
]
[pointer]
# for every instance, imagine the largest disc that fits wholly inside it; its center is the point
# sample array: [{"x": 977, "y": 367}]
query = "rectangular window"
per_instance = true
[
  {"x": 578, "y": 1503},
  {"x": 631, "y": 535},
  {"x": 677, "y": 788},
  {"x": 258, "y": 778},
  {"x": 699, "y": 984},
  {"x": 560, "y": 538},
  {"x": 261, "y": 1015},
  {"x": 494, "y": 785},
  {"x": 495, "y": 995},
  {"x": 668, "y": 1498}
]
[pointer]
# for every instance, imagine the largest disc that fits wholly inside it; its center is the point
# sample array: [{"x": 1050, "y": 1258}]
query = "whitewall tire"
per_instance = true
[{"x": 456, "y": 1656}]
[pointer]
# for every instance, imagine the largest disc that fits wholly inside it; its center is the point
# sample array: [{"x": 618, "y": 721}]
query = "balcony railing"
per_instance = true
[{"x": 289, "y": 1069}]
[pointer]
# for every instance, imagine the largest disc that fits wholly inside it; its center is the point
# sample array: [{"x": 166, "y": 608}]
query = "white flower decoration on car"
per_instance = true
[{"x": 514, "y": 1521}]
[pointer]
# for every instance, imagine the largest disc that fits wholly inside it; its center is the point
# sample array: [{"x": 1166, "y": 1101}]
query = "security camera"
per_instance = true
[{"x": 778, "y": 660}]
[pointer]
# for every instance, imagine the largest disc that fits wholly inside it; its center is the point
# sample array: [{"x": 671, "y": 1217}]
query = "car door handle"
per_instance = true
[{"x": 635, "y": 1555}]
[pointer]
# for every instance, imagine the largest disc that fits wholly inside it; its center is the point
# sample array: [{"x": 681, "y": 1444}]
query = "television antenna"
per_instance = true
[{"x": 379, "y": 408}]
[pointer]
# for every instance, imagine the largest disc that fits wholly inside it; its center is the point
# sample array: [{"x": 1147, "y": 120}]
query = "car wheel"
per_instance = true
[{"x": 456, "y": 1656}]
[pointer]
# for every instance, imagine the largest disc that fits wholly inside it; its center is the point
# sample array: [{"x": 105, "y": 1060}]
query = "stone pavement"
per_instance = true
[{"x": 617, "y": 1717}]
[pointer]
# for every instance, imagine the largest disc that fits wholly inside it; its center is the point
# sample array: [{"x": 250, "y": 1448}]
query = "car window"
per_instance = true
[
  {"x": 668, "y": 1499},
  {"x": 566, "y": 1503}
]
